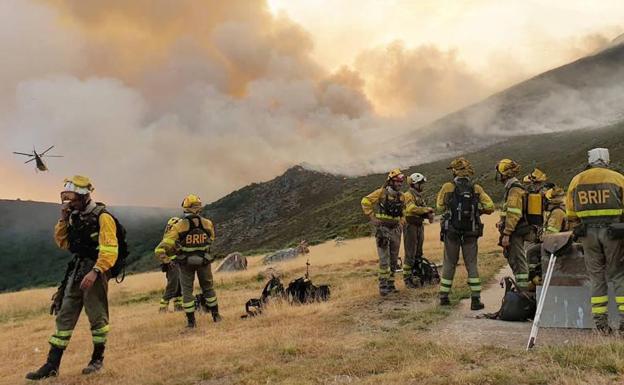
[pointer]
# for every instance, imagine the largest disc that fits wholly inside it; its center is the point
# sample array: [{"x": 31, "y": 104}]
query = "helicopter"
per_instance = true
[{"x": 40, "y": 165}]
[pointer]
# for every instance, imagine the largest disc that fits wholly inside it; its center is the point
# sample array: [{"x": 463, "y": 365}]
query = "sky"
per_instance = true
[{"x": 155, "y": 99}]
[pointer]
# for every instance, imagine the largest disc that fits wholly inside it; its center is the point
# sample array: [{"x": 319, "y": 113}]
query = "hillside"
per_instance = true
[
  {"x": 300, "y": 204},
  {"x": 307, "y": 204},
  {"x": 587, "y": 93},
  {"x": 28, "y": 251}
]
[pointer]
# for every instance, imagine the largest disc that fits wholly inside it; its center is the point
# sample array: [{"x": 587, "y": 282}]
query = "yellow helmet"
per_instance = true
[
  {"x": 507, "y": 167},
  {"x": 395, "y": 174},
  {"x": 554, "y": 193},
  {"x": 192, "y": 203},
  {"x": 537, "y": 175},
  {"x": 78, "y": 184},
  {"x": 172, "y": 221},
  {"x": 461, "y": 167}
]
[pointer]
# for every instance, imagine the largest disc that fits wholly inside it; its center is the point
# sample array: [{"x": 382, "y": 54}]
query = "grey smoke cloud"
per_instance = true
[{"x": 155, "y": 101}]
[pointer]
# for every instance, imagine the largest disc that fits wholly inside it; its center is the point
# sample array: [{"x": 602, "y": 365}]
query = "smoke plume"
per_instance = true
[{"x": 154, "y": 99}]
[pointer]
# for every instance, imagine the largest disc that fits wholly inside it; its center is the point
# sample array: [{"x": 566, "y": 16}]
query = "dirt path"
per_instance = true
[{"x": 463, "y": 326}]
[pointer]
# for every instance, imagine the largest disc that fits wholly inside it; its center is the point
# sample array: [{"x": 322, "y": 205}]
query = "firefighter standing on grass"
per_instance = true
[
  {"x": 385, "y": 207},
  {"x": 191, "y": 238},
  {"x": 594, "y": 204},
  {"x": 513, "y": 225},
  {"x": 173, "y": 290},
  {"x": 416, "y": 212},
  {"x": 89, "y": 232},
  {"x": 462, "y": 203}
]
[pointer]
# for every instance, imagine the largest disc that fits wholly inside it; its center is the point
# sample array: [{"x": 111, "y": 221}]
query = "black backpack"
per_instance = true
[
  {"x": 273, "y": 289},
  {"x": 301, "y": 291},
  {"x": 517, "y": 305},
  {"x": 464, "y": 207},
  {"x": 119, "y": 268},
  {"x": 425, "y": 272}
]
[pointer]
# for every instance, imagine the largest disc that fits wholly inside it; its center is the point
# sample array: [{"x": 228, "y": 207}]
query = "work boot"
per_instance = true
[
  {"x": 476, "y": 304},
  {"x": 163, "y": 310},
  {"x": 216, "y": 317},
  {"x": 444, "y": 300},
  {"x": 602, "y": 324},
  {"x": 391, "y": 287},
  {"x": 409, "y": 283},
  {"x": 190, "y": 320},
  {"x": 97, "y": 360},
  {"x": 50, "y": 368},
  {"x": 177, "y": 307},
  {"x": 383, "y": 288}
]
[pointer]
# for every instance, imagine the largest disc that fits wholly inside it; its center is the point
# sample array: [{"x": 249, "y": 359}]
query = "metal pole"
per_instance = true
[{"x": 540, "y": 303}]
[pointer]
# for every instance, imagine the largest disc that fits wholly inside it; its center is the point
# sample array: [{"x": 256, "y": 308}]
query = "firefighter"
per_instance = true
[
  {"x": 594, "y": 206},
  {"x": 385, "y": 207},
  {"x": 89, "y": 232},
  {"x": 173, "y": 290},
  {"x": 416, "y": 211},
  {"x": 555, "y": 213},
  {"x": 191, "y": 237},
  {"x": 462, "y": 202},
  {"x": 513, "y": 226}
]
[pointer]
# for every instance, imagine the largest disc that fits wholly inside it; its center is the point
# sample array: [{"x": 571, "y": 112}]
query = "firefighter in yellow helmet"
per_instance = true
[
  {"x": 89, "y": 232},
  {"x": 594, "y": 204},
  {"x": 385, "y": 207},
  {"x": 513, "y": 225},
  {"x": 462, "y": 203},
  {"x": 191, "y": 238},
  {"x": 173, "y": 290},
  {"x": 555, "y": 213},
  {"x": 416, "y": 212}
]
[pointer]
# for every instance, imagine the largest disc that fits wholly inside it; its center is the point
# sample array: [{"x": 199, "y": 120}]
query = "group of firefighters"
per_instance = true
[
  {"x": 594, "y": 201},
  {"x": 531, "y": 207}
]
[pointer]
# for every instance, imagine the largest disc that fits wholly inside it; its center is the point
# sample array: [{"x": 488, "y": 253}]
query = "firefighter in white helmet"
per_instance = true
[{"x": 416, "y": 212}]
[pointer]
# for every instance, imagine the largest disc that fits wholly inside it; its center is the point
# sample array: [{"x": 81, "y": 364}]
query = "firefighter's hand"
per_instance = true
[
  {"x": 505, "y": 241},
  {"x": 65, "y": 212},
  {"x": 431, "y": 216},
  {"x": 88, "y": 280}
]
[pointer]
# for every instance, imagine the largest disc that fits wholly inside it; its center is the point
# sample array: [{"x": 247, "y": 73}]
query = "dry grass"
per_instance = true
[{"x": 354, "y": 338}]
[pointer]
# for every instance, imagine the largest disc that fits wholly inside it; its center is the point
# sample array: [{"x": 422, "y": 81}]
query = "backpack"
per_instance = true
[
  {"x": 517, "y": 305},
  {"x": 464, "y": 207},
  {"x": 301, "y": 291},
  {"x": 534, "y": 204},
  {"x": 426, "y": 272},
  {"x": 122, "y": 245},
  {"x": 272, "y": 289}
]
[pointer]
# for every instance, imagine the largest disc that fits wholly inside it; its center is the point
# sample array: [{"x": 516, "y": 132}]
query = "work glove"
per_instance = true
[{"x": 164, "y": 267}]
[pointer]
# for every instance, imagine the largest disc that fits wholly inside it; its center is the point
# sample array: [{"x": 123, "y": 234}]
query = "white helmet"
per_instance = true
[
  {"x": 416, "y": 178},
  {"x": 598, "y": 155}
]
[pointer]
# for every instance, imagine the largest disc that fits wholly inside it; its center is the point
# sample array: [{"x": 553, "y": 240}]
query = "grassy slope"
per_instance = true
[
  {"x": 318, "y": 206},
  {"x": 354, "y": 338}
]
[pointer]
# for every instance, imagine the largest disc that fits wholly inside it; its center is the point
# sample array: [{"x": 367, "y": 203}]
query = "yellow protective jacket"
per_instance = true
[
  {"x": 513, "y": 206},
  {"x": 107, "y": 240},
  {"x": 555, "y": 220},
  {"x": 485, "y": 202},
  {"x": 170, "y": 243},
  {"x": 595, "y": 196},
  {"x": 371, "y": 204},
  {"x": 416, "y": 208}
]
